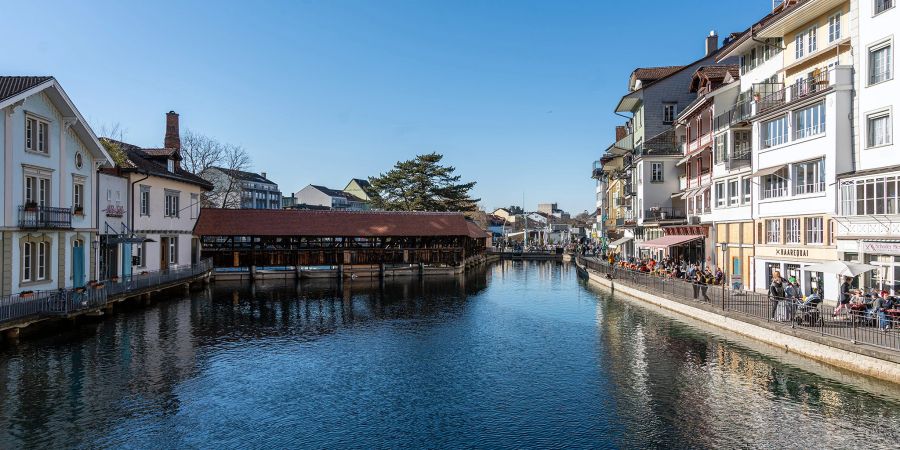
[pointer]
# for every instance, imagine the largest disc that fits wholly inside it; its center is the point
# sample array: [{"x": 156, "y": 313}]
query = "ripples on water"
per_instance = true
[{"x": 517, "y": 355}]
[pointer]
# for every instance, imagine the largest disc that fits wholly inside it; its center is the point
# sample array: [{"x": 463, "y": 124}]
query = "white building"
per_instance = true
[
  {"x": 49, "y": 173},
  {"x": 163, "y": 204},
  {"x": 868, "y": 224},
  {"x": 321, "y": 196},
  {"x": 113, "y": 223}
]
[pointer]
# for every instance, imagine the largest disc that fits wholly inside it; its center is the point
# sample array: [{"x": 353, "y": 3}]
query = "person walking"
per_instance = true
[
  {"x": 844, "y": 302},
  {"x": 776, "y": 292}
]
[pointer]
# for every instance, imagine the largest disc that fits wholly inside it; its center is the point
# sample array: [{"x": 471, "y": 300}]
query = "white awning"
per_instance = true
[
  {"x": 702, "y": 189},
  {"x": 768, "y": 171},
  {"x": 689, "y": 193},
  {"x": 619, "y": 242},
  {"x": 683, "y": 160}
]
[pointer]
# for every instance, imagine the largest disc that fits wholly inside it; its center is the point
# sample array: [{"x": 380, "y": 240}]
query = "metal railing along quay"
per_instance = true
[
  {"x": 62, "y": 302},
  {"x": 857, "y": 326}
]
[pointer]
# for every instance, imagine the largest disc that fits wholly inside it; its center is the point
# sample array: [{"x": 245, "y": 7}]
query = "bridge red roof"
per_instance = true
[{"x": 278, "y": 222}]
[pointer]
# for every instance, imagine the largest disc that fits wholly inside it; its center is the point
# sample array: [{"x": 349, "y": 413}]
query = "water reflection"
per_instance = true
[{"x": 519, "y": 354}]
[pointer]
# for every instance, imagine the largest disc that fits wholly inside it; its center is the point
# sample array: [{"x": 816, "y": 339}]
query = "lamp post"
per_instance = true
[{"x": 724, "y": 247}]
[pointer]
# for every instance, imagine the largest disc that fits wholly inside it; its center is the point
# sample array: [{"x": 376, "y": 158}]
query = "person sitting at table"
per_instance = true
[{"x": 877, "y": 310}]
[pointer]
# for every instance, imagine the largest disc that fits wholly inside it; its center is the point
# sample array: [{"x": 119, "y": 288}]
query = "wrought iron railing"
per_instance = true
[
  {"x": 37, "y": 304},
  {"x": 860, "y": 323},
  {"x": 44, "y": 217}
]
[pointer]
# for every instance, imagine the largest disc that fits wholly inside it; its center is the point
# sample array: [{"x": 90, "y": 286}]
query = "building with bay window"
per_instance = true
[
  {"x": 868, "y": 221},
  {"x": 49, "y": 179},
  {"x": 802, "y": 139}
]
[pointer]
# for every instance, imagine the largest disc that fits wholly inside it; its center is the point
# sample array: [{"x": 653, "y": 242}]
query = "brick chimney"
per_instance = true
[
  {"x": 621, "y": 132},
  {"x": 712, "y": 42},
  {"x": 263, "y": 174},
  {"x": 173, "y": 139}
]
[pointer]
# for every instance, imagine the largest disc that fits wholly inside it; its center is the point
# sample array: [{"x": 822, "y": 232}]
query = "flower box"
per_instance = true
[
  {"x": 26, "y": 294},
  {"x": 98, "y": 286}
]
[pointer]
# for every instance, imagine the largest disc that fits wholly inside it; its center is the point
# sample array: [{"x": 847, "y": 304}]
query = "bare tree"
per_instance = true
[
  {"x": 228, "y": 190},
  {"x": 199, "y": 152}
]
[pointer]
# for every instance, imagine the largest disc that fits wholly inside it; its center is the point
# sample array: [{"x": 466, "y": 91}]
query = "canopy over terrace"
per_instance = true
[{"x": 255, "y": 237}]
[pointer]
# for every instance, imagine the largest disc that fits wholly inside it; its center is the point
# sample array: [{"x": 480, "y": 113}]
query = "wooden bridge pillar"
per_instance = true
[
  {"x": 381, "y": 270},
  {"x": 252, "y": 272},
  {"x": 421, "y": 269}
]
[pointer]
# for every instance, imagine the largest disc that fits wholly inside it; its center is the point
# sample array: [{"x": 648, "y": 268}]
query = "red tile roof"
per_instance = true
[
  {"x": 275, "y": 222},
  {"x": 655, "y": 73}
]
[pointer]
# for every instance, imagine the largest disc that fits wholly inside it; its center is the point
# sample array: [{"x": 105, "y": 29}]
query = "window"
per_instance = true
[
  {"x": 78, "y": 196},
  {"x": 776, "y": 131},
  {"x": 809, "y": 121},
  {"x": 791, "y": 231},
  {"x": 809, "y": 177},
  {"x": 668, "y": 113},
  {"x": 878, "y": 126},
  {"x": 37, "y": 190},
  {"x": 880, "y": 63},
  {"x": 170, "y": 165},
  {"x": 172, "y": 208},
  {"x": 720, "y": 143},
  {"x": 811, "y": 39},
  {"x": 145, "y": 200},
  {"x": 883, "y": 5},
  {"x": 741, "y": 147},
  {"x": 774, "y": 185},
  {"x": 656, "y": 172},
  {"x": 798, "y": 46},
  {"x": 870, "y": 196},
  {"x": 37, "y": 135},
  {"x": 720, "y": 194},
  {"x": 733, "y": 193},
  {"x": 26, "y": 261},
  {"x": 773, "y": 231},
  {"x": 173, "y": 250},
  {"x": 43, "y": 254},
  {"x": 139, "y": 251},
  {"x": 35, "y": 261},
  {"x": 746, "y": 182},
  {"x": 834, "y": 27},
  {"x": 814, "y": 230},
  {"x": 195, "y": 206}
]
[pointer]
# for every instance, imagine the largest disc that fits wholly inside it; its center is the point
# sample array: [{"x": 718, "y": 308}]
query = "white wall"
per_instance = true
[
  {"x": 312, "y": 196},
  {"x": 873, "y": 30}
]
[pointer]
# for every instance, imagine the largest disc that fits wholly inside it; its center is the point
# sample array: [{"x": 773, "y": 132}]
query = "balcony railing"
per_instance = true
[
  {"x": 628, "y": 189},
  {"x": 774, "y": 192},
  {"x": 664, "y": 213},
  {"x": 805, "y": 87},
  {"x": 44, "y": 217},
  {"x": 811, "y": 188}
]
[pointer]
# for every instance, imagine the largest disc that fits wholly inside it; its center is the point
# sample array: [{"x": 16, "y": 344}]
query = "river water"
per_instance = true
[{"x": 519, "y": 354}]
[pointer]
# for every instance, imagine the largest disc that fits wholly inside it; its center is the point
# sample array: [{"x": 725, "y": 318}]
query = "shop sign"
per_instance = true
[
  {"x": 883, "y": 248},
  {"x": 795, "y": 252}
]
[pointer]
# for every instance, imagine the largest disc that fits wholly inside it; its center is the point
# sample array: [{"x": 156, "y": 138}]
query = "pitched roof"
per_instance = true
[
  {"x": 362, "y": 183},
  {"x": 244, "y": 176},
  {"x": 654, "y": 73},
  {"x": 12, "y": 86},
  {"x": 285, "y": 222},
  {"x": 150, "y": 161},
  {"x": 336, "y": 193}
]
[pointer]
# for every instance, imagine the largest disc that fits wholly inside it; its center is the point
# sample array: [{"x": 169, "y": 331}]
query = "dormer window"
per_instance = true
[{"x": 170, "y": 164}]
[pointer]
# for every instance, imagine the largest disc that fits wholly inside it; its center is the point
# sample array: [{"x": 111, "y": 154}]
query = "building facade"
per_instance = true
[
  {"x": 321, "y": 196},
  {"x": 239, "y": 189},
  {"x": 49, "y": 168},
  {"x": 868, "y": 219}
]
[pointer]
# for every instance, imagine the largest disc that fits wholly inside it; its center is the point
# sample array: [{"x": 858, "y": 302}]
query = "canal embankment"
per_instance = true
[{"x": 741, "y": 316}]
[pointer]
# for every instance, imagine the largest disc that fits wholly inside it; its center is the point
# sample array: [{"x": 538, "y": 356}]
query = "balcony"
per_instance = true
[
  {"x": 740, "y": 158},
  {"x": 628, "y": 190},
  {"x": 44, "y": 217},
  {"x": 739, "y": 113},
  {"x": 597, "y": 171},
  {"x": 661, "y": 213},
  {"x": 822, "y": 81}
]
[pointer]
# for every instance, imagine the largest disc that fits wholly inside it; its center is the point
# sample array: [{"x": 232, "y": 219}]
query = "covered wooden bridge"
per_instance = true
[{"x": 266, "y": 238}]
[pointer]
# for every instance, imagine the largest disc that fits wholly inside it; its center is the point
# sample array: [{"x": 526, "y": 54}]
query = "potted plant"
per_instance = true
[
  {"x": 114, "y": 278},
  {"x": 144, "y": 272},
  {"x": 98, "y": 286},
  {"x": 31, "y": 206},
  {"x": 80, "y": 290},
  {"x": 79, "y": 210},
  {"x": 26, "y": 294},
  {"x": 91, "y": 283}
]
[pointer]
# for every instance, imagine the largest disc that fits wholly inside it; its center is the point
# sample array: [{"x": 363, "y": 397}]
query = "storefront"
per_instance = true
[
  {"x": 882, "y": 253},
  {"x": 789, "y": 261},
  {"x": 686, "y": 243},
  {"x": 738, "y": 252}
]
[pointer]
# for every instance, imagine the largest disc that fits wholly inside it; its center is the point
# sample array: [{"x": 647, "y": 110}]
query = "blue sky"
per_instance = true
[{"x": 518, "y": 96}]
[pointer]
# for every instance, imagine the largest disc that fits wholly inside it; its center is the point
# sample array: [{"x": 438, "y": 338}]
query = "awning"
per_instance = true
[
  {"x": 671, "y": 240},
  {"x": 619, "y": 242},
  {"x": 689, "y": 193},
  {"x": 768, "y": 171},
  {"x": 702, "y": 190},
  {"x": 683, "y": 160}
]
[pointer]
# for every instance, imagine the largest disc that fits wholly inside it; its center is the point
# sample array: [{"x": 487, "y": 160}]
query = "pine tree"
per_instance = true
[{"x": 422, "y": 184}]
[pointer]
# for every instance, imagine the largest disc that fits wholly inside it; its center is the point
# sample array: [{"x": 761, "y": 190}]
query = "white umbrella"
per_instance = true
[{"x": 845, "y": 268}]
